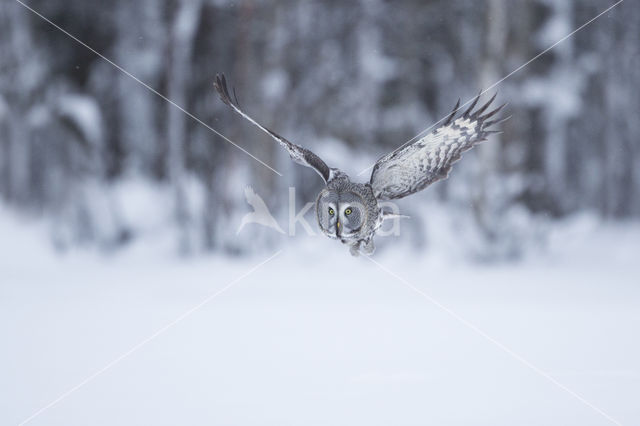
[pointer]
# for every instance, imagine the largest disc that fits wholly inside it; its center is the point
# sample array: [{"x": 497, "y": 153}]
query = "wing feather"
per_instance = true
[
  {"x": 413, "y": 167},
  {"x": 297, "y": 153}
]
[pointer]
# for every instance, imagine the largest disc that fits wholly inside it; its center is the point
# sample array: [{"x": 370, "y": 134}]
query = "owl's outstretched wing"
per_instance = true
[
  {"x": 413, "y": 167},
  {"x": 297, "y": 153}
]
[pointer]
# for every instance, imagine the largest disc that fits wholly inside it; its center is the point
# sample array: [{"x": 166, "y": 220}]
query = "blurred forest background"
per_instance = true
[{"x": 104, "y": 161}]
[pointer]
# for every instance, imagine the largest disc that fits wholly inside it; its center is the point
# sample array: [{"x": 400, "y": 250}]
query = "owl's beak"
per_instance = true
[{"x": 338, "y": 228}]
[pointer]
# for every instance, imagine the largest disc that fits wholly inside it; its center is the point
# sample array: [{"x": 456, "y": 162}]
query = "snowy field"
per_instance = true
[{"x": 316, "y": 337}]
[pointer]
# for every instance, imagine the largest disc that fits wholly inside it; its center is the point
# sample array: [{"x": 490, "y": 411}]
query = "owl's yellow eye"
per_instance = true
[
  {"x": 331, "y": 212},
  {"x": 347, "y": 211}
]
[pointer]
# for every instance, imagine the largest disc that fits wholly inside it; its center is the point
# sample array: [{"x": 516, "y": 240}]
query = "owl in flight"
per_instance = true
[{"x": 349, "y": 211}]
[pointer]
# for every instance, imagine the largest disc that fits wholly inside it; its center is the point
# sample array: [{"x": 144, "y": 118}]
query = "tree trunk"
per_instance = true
[{"x": 183, "y": 30}]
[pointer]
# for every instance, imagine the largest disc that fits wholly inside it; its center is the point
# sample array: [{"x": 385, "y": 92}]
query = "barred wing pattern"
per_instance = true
[
  {"x": 297, "y": 153},
  {"x": 413, "y": 167}
]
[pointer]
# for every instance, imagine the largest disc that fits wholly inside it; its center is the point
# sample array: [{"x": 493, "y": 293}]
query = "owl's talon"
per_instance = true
[{"x": 368, "y": 248}]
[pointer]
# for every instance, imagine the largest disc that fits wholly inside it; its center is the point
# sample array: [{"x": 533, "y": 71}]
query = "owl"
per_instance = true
[{"x": 349, "y": 211}]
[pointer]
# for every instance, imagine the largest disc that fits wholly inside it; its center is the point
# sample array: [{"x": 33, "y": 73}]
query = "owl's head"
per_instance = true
[{"x": 340, "y": 214}]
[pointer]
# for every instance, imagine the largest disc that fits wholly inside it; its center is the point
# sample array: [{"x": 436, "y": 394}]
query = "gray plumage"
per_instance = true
[{"x": 349, "y": 211}]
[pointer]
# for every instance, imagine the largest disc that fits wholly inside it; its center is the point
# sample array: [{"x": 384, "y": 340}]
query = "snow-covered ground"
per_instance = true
[{"x": 316, "y": 337}]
